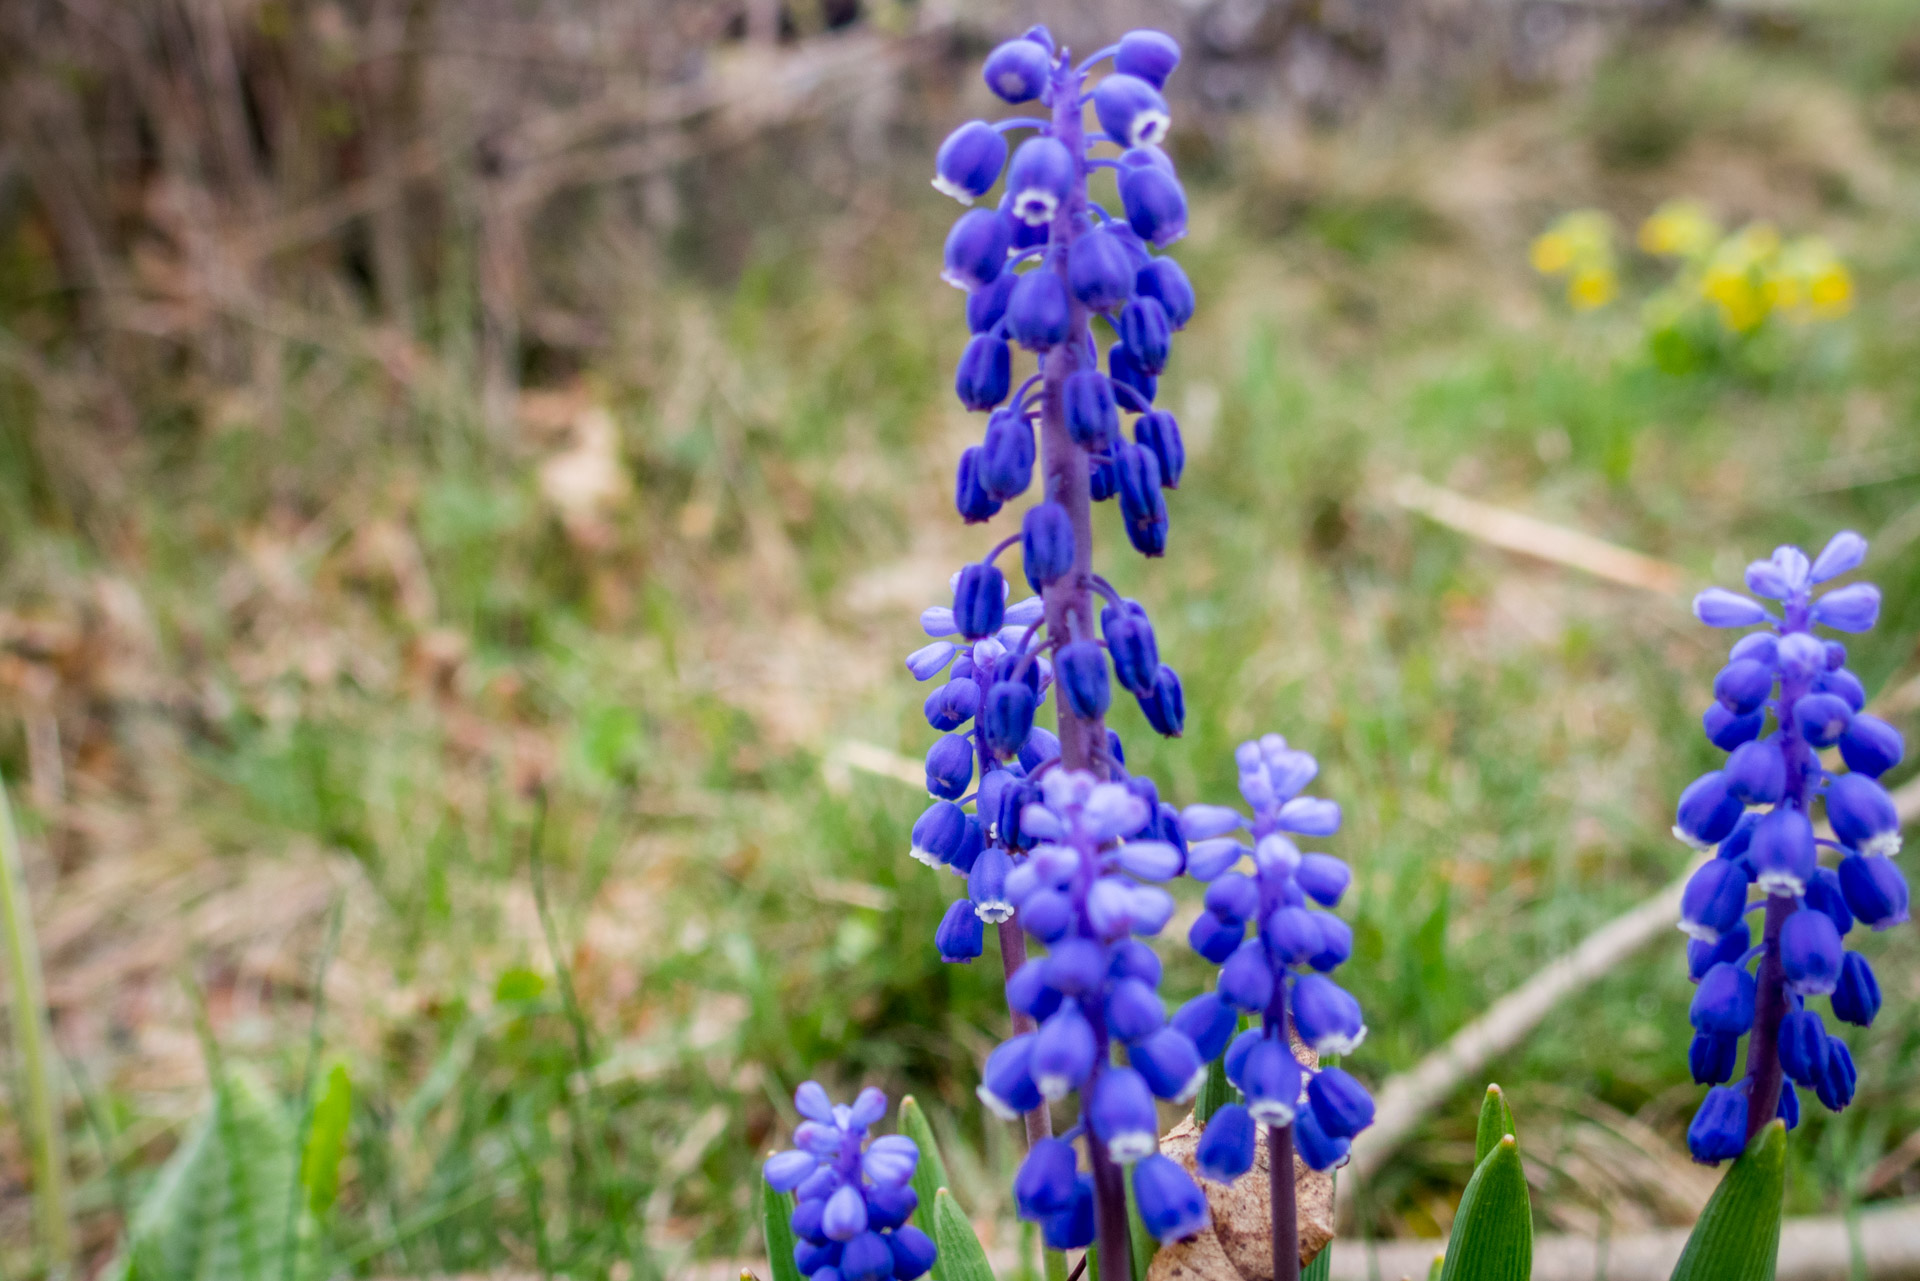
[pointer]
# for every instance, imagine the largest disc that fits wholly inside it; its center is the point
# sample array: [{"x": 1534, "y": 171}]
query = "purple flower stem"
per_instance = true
[
  {"x": 1286, "y": 1216},
  {"x": 1763, "y": 1048},
  {"x": 1065, "y": 466},
  {"x": 1069, "y": 599},
  {"x": 1280, "y": 1189},
  {"x": 1013, "y": 955}
]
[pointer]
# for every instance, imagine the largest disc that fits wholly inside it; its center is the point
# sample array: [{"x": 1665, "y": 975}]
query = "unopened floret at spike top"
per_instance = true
[{"x": 1784, "y": 699}]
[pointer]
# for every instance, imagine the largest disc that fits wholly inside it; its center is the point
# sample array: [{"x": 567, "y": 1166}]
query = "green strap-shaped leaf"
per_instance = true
[
  {"x": 959, "y": 1248},
  {"x": 776, "y": 1214},
  {"x": 1144, "y": 1246},
  {"x": 1492, "y": 1237},
  {"x": 327, "y": 1141},
  {"x": 929, "y": 1175},
  {"x": 1216, "y": 1093},
  {"x": 1322, "y": 1266},
  {"x": 1496, "y": 1122},
  {"x": 1738, "y": 1235},
  {"x": 1053, "y": 1263},
  {"x": 1433, "y": 1270}
]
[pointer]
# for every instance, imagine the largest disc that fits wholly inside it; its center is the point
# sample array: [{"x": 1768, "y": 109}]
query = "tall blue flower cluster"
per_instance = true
[
  {"x": 853, "y": 1196},
  {"x": 1783, "y": 699},
  {"x": 1037, "y": 267},
  {"x": 1089, "y": 892},
  {"x": 1047, "y": 257},
  {"x": 1277, "y": 972}
]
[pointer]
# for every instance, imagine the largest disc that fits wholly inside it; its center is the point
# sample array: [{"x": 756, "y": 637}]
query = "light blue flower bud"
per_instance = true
[
  {"x": 1853, "y": 608},
  {"x": 1843, "y": 553},
  {"x": 1717, "y": 607}
]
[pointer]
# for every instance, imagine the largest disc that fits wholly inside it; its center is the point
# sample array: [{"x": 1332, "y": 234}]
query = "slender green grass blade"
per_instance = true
[
  {"x": 929, "y": 1175},
  {"x": 1738, "y": 1235},
  {"x": 776, "y": 1211},
  {"x": 1496, "y": 1121},
  {"x": 959, "y": 1248},
  {"x": 1433, "y": 1271},
  {"x": 33, "y": 1037},
  {"x": 1492, "y": 1236}
]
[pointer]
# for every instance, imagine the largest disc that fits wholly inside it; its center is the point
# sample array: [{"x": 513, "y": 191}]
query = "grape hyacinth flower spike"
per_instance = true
[
  {"x": 853, "y": 1194},
  {"x": 1275, "y": 949},
  {"x": 1061, "y": 844},
  {"x": 1783, "y": 699}
]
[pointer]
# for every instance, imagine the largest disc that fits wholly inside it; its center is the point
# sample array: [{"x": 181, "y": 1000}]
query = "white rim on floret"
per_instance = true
[{"x": 947, "y": 188}]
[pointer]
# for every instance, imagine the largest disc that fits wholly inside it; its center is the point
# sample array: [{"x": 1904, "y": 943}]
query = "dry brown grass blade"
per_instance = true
[{"x": 1529, "y": 536}]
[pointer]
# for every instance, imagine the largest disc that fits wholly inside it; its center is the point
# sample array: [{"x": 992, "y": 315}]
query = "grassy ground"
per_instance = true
[{"x": 580, "y": 697}]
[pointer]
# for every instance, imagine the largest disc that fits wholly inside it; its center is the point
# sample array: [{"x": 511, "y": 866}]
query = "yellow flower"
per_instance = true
[
  {"x": 1831, "y": 292},
  {"x": 1582, "y": 238},
  {"x": 1819, "y": 282},
  {"x": 1552, "y": 253},
  {"x": 1679, "y": 228},
  {"x": 1592, "y": 287}
]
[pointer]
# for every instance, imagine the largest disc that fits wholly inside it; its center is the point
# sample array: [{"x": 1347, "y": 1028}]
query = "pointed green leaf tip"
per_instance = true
[
  {"x": 959, "y": 1248},
  {"x": 1492, "y": 1236},
  {"x": 776, "y": 1213},
  {"x": 1738, "y": 1235},
  {"x": 929, "y": 1175},
  {"x": 1496, "y": 1121},
  {"x": 1433, "y": 1272}
]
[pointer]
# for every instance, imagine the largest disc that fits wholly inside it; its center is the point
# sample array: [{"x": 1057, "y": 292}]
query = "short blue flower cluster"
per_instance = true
[
  {"x": 1784, "y": 697},
  {"x": 1046, "y": 257},
  {"x": 1088, "y": 891},
  {"x": 853, "y": 1196},
  {"x": 1279, "y": 972}
]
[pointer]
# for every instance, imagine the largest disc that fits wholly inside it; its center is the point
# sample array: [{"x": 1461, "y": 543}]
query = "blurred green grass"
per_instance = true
[{"x": 380, "y": 643}]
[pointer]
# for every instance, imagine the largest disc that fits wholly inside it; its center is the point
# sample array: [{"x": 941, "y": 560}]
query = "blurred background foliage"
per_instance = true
[{"x": 472, "y": 467}]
